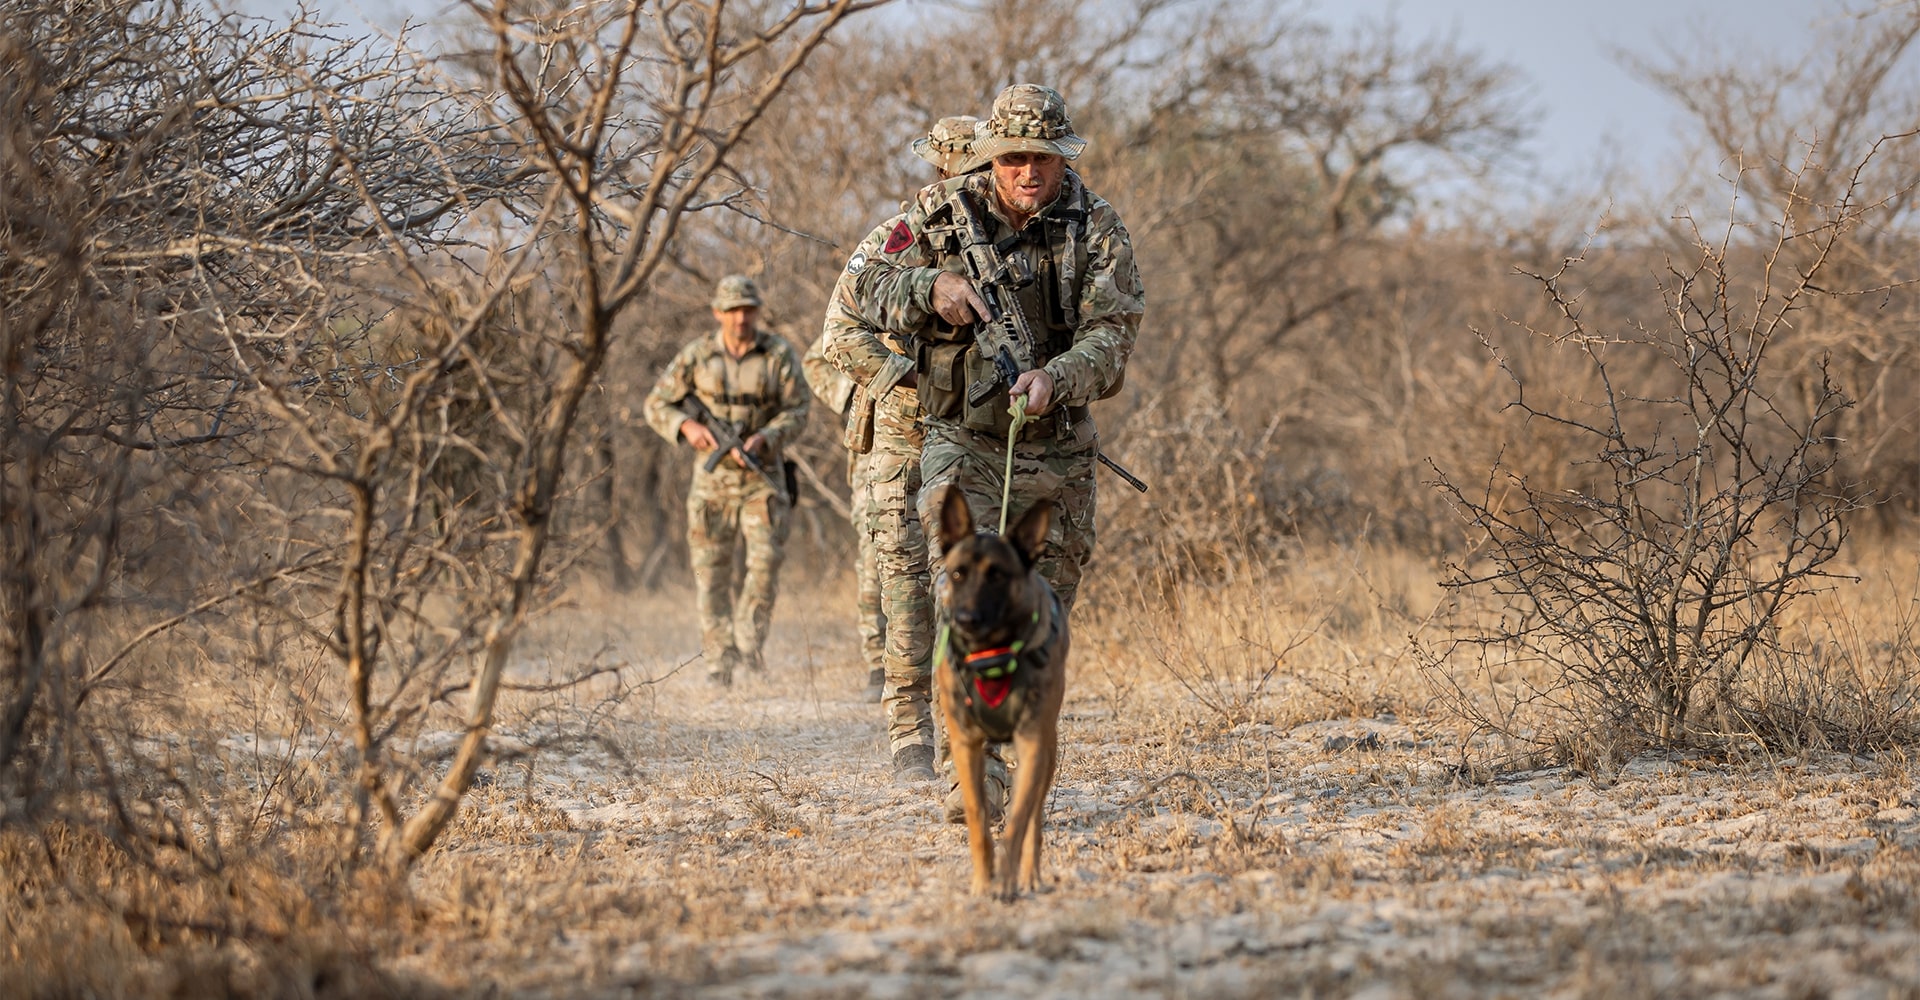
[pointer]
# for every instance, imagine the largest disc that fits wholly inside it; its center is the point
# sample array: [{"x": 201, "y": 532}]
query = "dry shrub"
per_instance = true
[
  {"x": 84, "y": 918},
  {"x": 1232, "y": 644},
  {"x": 1651, "y": 588},
  {"x": 1223, "y": 653},
  {"x": 1845, "y": 678},
  {"x": 1218, "y": 496},
  {"x": 1250, "y": 636}
]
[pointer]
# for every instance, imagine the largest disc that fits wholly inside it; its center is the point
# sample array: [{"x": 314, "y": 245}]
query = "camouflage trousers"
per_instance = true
[
  {"x": 871, "y": 620},
  {"x": 892, "y": 528},
  {"x": 735, "y": 609},
  {"x": 1042, "y": 470}
]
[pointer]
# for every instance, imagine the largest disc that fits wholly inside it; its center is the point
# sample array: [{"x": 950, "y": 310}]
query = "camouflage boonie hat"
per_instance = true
[
  {"x": 736, "y": 291},
  {"x": 949, "y": 144},
  {"x": 1029, "y": 118}
]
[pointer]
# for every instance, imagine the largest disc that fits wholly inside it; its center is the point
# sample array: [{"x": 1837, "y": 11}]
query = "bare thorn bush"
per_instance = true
[
  {"x": 297, "y": 335},
  {"x": 1637, "y": 600}
]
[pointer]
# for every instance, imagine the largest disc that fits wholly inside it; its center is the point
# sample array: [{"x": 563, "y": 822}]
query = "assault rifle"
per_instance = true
[
  {"x": 1003, "y": 335},
  {"x": 727, "y": 436}
]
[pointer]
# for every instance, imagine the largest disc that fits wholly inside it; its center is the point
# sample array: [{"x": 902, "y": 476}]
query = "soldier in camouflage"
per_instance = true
[
  {"x": 749, "y": 379},
  {"x": 1085, "y": 305},
  {"x": 835, "y": 389},
  {"x": 885, "y": 426}
]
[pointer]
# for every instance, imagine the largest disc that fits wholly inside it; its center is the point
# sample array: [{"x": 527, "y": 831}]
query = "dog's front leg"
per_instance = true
[
  {"x": 970, "y": 769},
  {"x": 1024, "y": 817},
  {"x": 1043, "y": 751}
]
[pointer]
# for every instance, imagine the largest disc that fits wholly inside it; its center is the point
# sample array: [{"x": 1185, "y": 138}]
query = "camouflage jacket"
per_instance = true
[
  {"x": 827, "y": 382},
  {"x": 760, "y": 392},
  {"x": 881, "y": 405},
  {"x": 890, "y": 291}
]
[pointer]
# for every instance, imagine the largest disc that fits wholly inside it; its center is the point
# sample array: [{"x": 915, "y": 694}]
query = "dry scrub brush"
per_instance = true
[
  {"x": 178, "y": 201},
  {"x": 1632, "y": 606},
  {"x": 296, "y": 337},
  {"x": 1760, "y": 114},
  {"x": 450, "y": 475}
]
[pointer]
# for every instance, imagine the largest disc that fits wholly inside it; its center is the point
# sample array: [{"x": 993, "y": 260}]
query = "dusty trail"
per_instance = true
[{"x": 749, "y": 842}]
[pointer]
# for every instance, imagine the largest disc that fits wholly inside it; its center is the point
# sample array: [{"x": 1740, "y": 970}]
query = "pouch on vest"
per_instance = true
[
  {"x": 841, "y": 393},
  {"x": 993, "y": 417},
  {"x": 990, "y": 417},
  {"x": 858, "y": 436},
  {"x": 1085, "y": 433},
  {"x": 943, "y": 378}
]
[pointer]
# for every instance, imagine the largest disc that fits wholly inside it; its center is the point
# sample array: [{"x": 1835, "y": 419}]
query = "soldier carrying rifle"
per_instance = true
[
  {"x": 737, "y": 397},
  {"x": 1062, "y": 269},
  {"x": 1081, "y": 299},
  {"x": 883, "y": 434}
]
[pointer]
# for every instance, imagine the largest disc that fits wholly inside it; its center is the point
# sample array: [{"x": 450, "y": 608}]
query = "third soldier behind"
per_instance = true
[
  {"x": 838, "y": 391},
  {"x": 884, "y": 425},
  {"x": 1085, "y": 307},
  {"x": 748, "y": 380}
]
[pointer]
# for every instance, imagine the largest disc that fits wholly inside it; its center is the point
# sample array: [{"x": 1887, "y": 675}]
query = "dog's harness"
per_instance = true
[{"x": 987, "y": 675}]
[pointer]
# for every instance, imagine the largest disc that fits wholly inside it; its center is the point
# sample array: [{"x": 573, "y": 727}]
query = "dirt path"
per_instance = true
[{"x": 749, "y": 842}]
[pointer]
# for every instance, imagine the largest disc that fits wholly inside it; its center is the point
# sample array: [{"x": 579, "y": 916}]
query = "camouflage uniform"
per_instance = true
[
  {"x": 1085, "y": 305},
  {"x": 837, "y": 391},
  {"x": 760, "y": 392},
  {"x": 885, "y": 421}
]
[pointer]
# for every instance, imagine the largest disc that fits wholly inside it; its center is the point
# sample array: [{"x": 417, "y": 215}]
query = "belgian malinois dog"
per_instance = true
[{"x": 1000, "y": 666}]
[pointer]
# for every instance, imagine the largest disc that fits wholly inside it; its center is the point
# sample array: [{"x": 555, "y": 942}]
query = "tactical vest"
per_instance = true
[
  {"x": 1055, "y": 244},
  {"x": 744, "y": 393}
]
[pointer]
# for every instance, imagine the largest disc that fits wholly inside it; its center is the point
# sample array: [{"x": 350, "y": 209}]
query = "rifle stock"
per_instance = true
[{"x": 1003, "y": 335}]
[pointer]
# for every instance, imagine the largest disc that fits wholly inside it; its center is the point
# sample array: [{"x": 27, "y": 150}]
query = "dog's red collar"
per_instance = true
[{"x": 993, "y": 662}]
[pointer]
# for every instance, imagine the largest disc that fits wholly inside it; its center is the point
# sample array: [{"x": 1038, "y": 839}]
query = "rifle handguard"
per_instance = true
[
  {"x": 725, "y": 438},
  {"x": 753, "y": 462}
]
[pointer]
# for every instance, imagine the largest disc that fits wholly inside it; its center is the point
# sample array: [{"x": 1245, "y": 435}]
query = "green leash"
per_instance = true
[{"x": 1018, "y": 408}]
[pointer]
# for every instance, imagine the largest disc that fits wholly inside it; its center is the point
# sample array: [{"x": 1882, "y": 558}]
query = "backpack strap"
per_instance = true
[{"x": 1067, "y": 239}]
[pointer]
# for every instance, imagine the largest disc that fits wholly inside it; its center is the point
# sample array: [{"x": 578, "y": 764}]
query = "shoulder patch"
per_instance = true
[
  {"x": 900, "y": 239},
  {"x": 857, "y": 262}
]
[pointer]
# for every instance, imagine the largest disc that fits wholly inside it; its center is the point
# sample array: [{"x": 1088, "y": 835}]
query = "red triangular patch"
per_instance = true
[
  {"x": 993, "y": 692},
  {"x": 900, "y": 239}
]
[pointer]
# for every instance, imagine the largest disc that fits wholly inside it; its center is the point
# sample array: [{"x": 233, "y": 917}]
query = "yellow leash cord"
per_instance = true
[{"x": 1018, "y": 408}]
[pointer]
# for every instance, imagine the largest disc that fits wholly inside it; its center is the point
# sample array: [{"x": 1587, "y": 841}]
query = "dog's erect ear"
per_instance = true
[
  {"x": 1029, "y": 534},
  {"x": 956, "y": 521}
]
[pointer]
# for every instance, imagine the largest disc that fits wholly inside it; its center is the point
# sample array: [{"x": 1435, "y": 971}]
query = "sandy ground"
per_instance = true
[{"x": 750, "y": 843}]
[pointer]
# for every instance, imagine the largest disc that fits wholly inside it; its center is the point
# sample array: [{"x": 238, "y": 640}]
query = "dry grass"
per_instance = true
[{"x": 653, "y": 836}]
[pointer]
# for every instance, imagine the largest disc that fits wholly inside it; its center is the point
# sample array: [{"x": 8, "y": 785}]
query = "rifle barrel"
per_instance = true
[{"x": 1132, "y": 480}]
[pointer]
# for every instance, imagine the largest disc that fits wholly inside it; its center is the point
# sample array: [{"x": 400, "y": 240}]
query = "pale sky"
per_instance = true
[{"x": 1594, "y": 113}]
